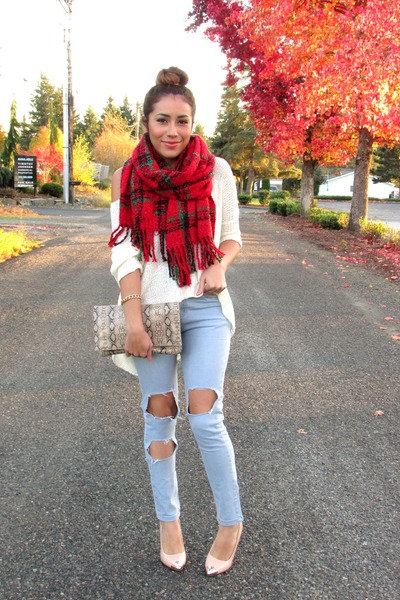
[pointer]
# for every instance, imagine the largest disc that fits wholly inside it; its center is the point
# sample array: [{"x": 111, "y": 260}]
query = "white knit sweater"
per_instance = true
[{"x": 156, "y": 284}]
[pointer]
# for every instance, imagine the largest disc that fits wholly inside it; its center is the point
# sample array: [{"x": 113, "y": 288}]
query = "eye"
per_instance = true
[
  {"x": 161, "y": 120},
  {"x": 184, "y": 122}
]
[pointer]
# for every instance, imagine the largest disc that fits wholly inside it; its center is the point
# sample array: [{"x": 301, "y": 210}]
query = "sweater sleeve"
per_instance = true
[
  {"x": 230, "y": 229},
  {"x": 125, "y": 258}
]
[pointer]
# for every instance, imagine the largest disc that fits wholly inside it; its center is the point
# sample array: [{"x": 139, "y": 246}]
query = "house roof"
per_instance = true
[{"x": 345, "y": 172}]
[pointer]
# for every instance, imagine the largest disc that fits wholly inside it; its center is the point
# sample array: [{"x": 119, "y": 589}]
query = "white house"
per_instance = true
[{"x": 343, "y": 186}]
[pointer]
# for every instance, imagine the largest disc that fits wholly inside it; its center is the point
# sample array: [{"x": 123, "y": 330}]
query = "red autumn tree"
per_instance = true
[
  {"x": 320, "y": 74},
  {"x": 49, "y": 161}
]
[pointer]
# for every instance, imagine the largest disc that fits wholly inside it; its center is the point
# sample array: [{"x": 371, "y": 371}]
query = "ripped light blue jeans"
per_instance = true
[{"x": 205, "y": 350}]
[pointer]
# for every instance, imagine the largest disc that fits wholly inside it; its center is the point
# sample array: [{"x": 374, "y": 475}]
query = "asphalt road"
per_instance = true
[
  {"x": 312, "y": 362},
  {"x": 387, "y": 212}
]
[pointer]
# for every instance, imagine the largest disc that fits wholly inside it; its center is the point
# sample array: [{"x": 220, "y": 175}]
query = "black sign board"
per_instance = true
[{"x": 25, "y": 171}]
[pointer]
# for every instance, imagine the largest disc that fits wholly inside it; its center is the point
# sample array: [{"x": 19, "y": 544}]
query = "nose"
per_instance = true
[{"x": 172, "y": 132}]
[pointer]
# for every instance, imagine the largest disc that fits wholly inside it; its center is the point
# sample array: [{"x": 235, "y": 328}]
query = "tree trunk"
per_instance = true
[
  {"x": 307, "y": 184},
  {"x": 359, "y": 203},
  {"x": 250, "y": 180}
]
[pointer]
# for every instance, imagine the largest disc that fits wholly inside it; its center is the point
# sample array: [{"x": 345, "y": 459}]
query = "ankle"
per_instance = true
[
  {"x": 225, "y": 541},
  {"x": 171, "y": 537}
]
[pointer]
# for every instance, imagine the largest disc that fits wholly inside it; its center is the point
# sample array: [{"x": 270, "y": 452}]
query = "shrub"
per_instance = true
[
  {"x": 344, "y": 219},
  {"x": 337, "y": 198},
  {"x": 244, "y": 198},
  {"x": 284, "y": 207},
  {"x": 328, "y": 219},
  {"x": 13, "y": 243},
  {"x": 29, "y": 190},
  {"x": 280, "y": 195},
  {"x": 281, "y": 208},
  {"x": 6, "y": 177},
  {"x": 380, "y": 231},
  {"x": 349, "y": 198},
  {"x": 263, "y": 196},
  {"x": 273, "y": 206},
  {"x": 53, "y": 189},
  {"x": 103, "y": 185},
  {"x": 289, "y": 207},
  {"x": 8, "y": 192}
]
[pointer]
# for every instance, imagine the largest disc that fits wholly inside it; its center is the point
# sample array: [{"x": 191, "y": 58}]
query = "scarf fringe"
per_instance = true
[
  {"x": 116, "y": 234},
  {"x": 207, "y": 253},
  {"x": 184, "y": 260},
  {"x": 144, "y": 239}
]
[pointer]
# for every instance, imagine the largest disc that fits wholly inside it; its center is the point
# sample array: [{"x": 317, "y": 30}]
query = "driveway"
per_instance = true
[{"x": 312, "y": 404}]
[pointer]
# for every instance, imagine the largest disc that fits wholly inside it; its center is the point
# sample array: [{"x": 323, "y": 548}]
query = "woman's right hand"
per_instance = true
[{"x": 138, "y": 343}]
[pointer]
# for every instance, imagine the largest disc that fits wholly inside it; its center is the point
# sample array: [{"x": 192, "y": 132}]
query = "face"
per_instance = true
[{"x": 170, "y": 126}]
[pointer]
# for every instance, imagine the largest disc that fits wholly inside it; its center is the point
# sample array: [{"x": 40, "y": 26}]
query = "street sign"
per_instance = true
[{"x": 25, "y": 171}]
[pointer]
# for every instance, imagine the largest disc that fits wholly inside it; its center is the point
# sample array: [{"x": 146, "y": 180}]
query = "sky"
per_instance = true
[{"x": 117, "y": 46}]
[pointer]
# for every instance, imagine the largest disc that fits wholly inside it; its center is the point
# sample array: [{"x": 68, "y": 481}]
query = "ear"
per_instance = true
[{"x": 144, "y": 124}]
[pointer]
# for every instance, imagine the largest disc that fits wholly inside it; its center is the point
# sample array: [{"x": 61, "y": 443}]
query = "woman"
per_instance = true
[{"x": 175, "y": 232}]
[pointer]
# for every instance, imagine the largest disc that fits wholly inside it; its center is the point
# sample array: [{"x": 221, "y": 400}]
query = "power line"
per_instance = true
[
  {"x": 65, "y": 5},
  {"x": 62, "y": 6}
]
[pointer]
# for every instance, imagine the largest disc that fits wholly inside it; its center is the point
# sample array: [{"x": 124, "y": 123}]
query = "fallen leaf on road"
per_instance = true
[
  {"x": 396, "y": 337},
  {"x": 302, "y": 431},
  {"x": 378, "y": 413},
  {"x": 346, "y": 285},
  {"x": 388, "y": 319}
]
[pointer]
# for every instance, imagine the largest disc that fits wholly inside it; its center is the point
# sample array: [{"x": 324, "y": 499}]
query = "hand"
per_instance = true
[
  {"x": 212, "y": 280},
  {"x": 138, "y": 343}
]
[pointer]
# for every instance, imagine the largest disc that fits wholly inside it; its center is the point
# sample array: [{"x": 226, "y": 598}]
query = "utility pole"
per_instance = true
[{"x": 68, "y": 110}]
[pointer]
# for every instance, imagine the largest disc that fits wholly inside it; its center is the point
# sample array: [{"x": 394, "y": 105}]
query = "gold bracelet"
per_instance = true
[{"x": 130, "y": 297}]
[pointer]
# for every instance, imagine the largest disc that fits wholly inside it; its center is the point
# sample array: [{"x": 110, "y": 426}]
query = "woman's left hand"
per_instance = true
[{"x": 212, "y": 280}]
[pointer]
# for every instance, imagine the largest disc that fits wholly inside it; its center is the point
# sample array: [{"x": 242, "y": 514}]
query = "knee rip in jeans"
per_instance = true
[
  {"x": 162, "y": 406},
  {"x": 201, "y": 400},
  {"x": 161, "y": 450}
]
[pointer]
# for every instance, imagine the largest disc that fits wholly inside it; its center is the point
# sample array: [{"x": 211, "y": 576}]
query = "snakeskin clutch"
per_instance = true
[{"x": 161, "y": 321}]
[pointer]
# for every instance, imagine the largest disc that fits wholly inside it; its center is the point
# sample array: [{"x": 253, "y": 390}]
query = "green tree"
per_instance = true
[
  {"x": 53, "y": 127},
  {"x": 12, "y": 139},
  {"x": 126, "y": 113},
  {"x": 386, "y": 165},
  {"x": 235, "y": 140},
  {"x": 199, "y": 130},
  {"x": 319, "y": 178},
  {"x": 26, "y": 134},
  {"x": 89, "y": 128},
  {"x": 110, "y": 110},
  {"x": 2, "y": 138},
  {"x": 46, "y": 100}
]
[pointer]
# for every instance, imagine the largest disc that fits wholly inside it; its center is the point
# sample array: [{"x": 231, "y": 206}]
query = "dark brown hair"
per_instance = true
[{"x": 169, "y": 81}]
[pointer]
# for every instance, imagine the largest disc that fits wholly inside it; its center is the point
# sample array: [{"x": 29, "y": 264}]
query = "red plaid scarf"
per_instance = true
[{"x": 175, "y": 203}]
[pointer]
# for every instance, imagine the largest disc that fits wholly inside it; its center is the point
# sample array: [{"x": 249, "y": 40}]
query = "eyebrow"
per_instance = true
[{"x": 167, "y": 115}]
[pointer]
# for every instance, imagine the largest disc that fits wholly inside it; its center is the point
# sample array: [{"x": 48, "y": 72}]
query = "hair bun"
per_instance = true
[{"x": 172, "y": 76}]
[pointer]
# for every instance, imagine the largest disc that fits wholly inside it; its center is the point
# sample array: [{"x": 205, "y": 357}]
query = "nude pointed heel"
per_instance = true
[
  {"x": 175, "y": 562},
  {"x": 216, "y": 567}
]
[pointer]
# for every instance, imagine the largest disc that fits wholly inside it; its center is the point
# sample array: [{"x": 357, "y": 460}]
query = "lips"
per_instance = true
[{"x": 171, "y": 144}]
